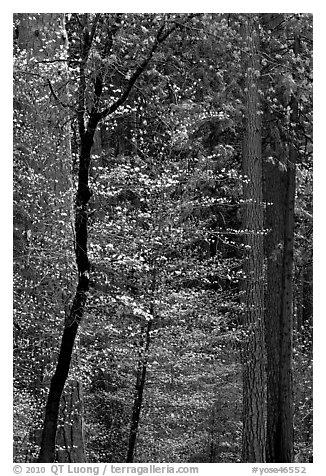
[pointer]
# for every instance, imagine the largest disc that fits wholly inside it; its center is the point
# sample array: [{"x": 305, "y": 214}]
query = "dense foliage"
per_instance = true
[{"x": 165, "y": 235}]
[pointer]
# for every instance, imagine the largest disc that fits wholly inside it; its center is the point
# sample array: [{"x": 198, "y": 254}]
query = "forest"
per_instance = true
[{"x": 162, "y": 237}]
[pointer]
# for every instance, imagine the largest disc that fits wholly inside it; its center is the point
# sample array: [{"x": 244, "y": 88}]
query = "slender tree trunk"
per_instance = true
[
  {"x": 86, "y": 134},
  {"x": 139, "y": 390},
  {"x": 141, "y": 375},
  {"x": 43, "y": 36},
  {"x": 47, "y": 452},
  {"x": 253, "y": 440}
]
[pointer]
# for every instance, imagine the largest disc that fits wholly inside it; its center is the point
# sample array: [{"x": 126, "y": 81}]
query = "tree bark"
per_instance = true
[
  {"x": 47, "y": 452},
  {"x": 70, "y": 434},
  {"x": 280, "y": 196},
  {"x": 275, "y": 197},
  {"x": 139, "y": 390},
  {"x": 253, "y": 440}
]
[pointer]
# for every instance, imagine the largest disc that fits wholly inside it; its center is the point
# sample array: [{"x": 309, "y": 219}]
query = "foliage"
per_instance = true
[{"x": 165, "y": 231}]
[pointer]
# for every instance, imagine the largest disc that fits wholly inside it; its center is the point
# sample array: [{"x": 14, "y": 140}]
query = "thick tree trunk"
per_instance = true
[
  {"x": 279, "y": 315},
  {"x": 280, "y": 196},
  {"x": 253, "y": 440},
  {"x": 285, "y": 418},
  {"x": 70, "y": 434},
  {"x": 275, "y": 197}
]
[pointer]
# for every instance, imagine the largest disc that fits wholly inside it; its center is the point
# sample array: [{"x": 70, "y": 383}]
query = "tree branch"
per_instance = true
[
  {"x": 86, "y": 46},
  {"x": 55, "y": 96},
  {"x": 160, "y": 38}
]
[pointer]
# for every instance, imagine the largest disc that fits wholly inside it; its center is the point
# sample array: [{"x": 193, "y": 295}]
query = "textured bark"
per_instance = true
[
  {"x": 275, "y": 197},
  {"x": 279, "y": 317},
  {"x": 253, "y": 441},
  {"x": 285, "y": 418},
  {"x": 280, "y": 195}
]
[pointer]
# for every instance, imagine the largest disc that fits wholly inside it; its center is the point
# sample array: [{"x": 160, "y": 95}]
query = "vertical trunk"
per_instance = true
[
  {"x": 70, "y": 434},
  {"x": 253, "y": 441},
  {"x": 139, "y": 390},
  {"x": 285, "y": 417},
  {"x": 280, "y": 186},
  {"x": 43, "y": 36},
  {"x": 275, "y": 197},
  {"x": 213, "y": 435},
  {"x": 279, "y": 320},
  {"x": 141, "y": 377},
  {"x": 86, "y": 134},
  {"x": 47, "y": 452}
]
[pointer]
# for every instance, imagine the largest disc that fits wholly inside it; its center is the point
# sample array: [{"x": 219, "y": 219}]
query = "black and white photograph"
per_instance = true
[{"x": 162, "y": 240}]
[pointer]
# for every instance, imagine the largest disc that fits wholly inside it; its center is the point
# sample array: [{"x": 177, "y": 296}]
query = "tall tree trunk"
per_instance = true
[
  {"x": 47, "y": 452},
  {"x": 285, "y": 418},
  {"x": 70, "y": 434},
  {"x": 43, "y": 37},
  {"x": 141, "y": 376},
  {"x": 280, "y": 196},
  {"x": 253, "y": 440},
  {"x": 275, "y": 198},
  {"x": 88, "y": 25},
  {"x": 139, "y": 390}
]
